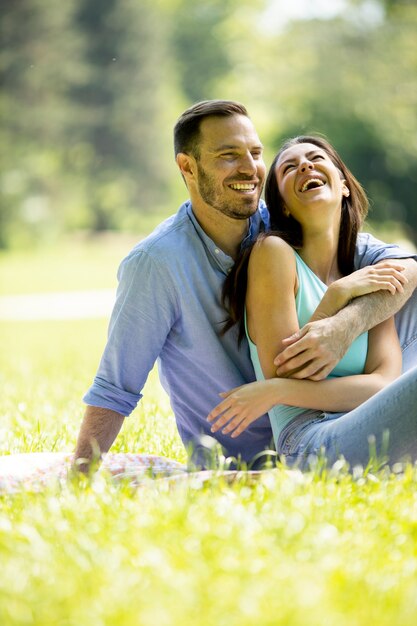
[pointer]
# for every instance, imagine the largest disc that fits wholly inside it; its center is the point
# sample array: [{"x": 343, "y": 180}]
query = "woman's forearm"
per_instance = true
[
  {"x": 243, "y": 405},
  {"x": 333, "y": 394}
]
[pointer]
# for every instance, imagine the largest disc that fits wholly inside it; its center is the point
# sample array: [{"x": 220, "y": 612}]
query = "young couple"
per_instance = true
[{"x": 328, "y": 387}]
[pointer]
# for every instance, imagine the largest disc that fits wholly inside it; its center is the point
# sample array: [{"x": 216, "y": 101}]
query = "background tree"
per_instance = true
[
  {"x": 90, "y": 92},
  {"x": 39, "y": 58},
  {"x": 353, "y": 78},
  {"x": 120, "y": 107},
  {"x": 199, "y": 47}
]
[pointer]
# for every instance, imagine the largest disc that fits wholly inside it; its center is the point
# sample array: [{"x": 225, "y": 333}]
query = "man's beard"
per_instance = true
[{"x": 239, "y": 208}]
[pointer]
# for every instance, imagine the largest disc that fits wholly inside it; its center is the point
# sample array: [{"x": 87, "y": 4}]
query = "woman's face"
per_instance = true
[{"x": 308, "y": 179}]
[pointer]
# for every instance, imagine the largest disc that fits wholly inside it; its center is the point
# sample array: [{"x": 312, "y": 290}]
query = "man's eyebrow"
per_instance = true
[
  {"x": 226, "y": 146},
  {"x": 308, "y": 155}
]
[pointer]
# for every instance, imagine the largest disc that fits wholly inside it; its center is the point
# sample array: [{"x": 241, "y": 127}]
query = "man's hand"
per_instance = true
[
  {"x": 314, "y": 350},
  {"x": 99, "y": 429}
]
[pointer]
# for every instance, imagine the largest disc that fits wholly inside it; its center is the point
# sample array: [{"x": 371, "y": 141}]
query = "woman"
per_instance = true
[{"x": 301, "y": 271}]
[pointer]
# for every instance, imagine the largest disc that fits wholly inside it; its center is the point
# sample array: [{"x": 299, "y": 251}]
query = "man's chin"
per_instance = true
[
  {"x": 246, "y": 211},
  {"x": 241, "y": 211}
]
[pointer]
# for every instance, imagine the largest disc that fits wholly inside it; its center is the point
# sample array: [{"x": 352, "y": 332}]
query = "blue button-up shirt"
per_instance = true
[{"x": 168, "y": 307}]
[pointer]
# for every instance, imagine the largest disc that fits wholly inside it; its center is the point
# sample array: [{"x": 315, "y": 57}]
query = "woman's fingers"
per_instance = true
[
  {"x": 219, "y": 410},
  {"x": 240, "y": 407},
  {"x": 234, "y": 425},
  {"x": 242, "y": 427},
  {"x": 395, "y": 278},
  {"x": 377, "y": 276},
  {"x": 229, "y": 420}
]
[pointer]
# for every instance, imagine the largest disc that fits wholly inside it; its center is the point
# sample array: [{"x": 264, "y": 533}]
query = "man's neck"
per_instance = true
[{"x": 226, "y": 232}]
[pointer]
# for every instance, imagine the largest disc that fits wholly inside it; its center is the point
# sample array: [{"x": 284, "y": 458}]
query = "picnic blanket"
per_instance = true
[{"x": 39, "y": 469}]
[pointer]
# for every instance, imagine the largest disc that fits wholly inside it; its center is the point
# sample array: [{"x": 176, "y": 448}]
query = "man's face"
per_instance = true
[{"x": 230, "y": 166}]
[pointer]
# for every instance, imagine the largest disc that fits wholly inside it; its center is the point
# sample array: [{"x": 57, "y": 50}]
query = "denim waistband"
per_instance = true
[{"x": 291, "y": 434}]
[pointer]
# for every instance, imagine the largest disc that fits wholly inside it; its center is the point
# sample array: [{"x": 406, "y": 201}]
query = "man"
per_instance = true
[{"x": 168, "y": 303}]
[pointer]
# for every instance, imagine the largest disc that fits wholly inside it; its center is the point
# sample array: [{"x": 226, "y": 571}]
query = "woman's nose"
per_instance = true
[{"x": 305, "y": 165}]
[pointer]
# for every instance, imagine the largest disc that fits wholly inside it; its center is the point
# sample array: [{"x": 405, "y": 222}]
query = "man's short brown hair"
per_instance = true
[{"x": 187, "y": 128}]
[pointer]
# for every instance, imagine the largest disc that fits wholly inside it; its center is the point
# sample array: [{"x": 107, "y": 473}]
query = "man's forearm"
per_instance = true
[
  {"x": 99, "y": 429},
  {"x": 317, "y": 347},
  {"x": 370, "y": 310}
]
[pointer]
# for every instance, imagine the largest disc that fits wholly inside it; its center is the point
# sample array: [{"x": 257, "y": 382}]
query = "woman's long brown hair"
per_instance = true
[{"x": 354, "y": 211}]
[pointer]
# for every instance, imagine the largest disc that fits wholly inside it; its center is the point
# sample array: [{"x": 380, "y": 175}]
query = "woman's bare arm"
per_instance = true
[
  {"x": 314, "y": 350},
  {"x": 270, "y": 312},
  {"x": 245, "y": 404}
]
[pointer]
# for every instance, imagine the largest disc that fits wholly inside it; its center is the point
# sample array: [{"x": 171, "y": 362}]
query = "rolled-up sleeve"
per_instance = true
[
  {"x": 145, "y": 311},
  {"x": 370, "y": 250}
]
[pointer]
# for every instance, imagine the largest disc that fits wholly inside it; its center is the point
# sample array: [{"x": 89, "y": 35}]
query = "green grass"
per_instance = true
[
  {"x": 45, "y": 368},
  {"x": 290, "y": 549},
  {"x": 74, "y": 263}
]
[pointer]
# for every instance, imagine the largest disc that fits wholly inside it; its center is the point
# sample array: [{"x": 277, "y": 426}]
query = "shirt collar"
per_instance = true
[{"x": 257, "y": 223}]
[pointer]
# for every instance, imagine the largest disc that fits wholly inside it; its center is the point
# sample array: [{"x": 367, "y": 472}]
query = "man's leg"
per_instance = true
[{"x": 406, "y": 323}]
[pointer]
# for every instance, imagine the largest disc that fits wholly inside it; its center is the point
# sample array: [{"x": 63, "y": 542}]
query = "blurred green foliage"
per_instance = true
[{"x": 91, "y": 90}]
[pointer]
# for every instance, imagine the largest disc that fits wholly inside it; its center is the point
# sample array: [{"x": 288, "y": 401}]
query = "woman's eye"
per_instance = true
[
  {"x": 287, "y": 167},
  {"x": 318, "y": 156}
]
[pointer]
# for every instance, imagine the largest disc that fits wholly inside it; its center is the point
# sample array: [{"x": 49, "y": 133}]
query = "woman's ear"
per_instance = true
[
  {"x": 286, "y": 211},
  {"x": 345, "y": 189}
]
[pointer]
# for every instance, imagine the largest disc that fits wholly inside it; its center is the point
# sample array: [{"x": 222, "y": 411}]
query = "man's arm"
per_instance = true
[
  {"x": 99, "y": 429},
  {"x": 316, "y": 348},
  {"x": 142, "y": 318}
]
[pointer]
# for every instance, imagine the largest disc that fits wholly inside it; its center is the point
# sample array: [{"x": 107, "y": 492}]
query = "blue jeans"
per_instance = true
[
  {"x": 406, "y": 323},
  {"x": 388, "y": 419}
]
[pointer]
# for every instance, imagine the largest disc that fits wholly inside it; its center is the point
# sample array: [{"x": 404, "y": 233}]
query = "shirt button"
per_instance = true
[{"x": 216, "y": 250}]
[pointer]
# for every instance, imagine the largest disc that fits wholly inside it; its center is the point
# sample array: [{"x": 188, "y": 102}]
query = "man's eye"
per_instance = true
[{"x": 228, "y": 155}]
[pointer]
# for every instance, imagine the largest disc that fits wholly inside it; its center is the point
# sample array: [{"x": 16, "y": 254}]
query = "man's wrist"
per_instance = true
[{"x": 348, "y": 324}]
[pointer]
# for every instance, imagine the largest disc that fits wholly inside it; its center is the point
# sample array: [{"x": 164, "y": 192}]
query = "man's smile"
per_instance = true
[{"x": 245, "y": 187}]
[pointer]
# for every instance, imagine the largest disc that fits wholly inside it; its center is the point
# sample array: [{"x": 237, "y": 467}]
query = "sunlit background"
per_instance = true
[{"x": 91, "y": 90}]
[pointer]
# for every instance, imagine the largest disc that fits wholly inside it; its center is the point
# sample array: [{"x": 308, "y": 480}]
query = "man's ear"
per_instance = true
[{"x": 187, "y": 165}]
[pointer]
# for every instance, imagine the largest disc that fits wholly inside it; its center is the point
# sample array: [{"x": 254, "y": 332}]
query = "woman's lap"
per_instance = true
[{"x": 389, "y": 418}]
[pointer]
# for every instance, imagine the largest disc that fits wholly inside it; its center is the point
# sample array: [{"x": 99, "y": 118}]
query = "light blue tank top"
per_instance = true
[{"x": 310, "y": 292}]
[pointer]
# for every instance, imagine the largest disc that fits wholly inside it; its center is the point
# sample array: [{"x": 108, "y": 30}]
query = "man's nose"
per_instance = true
[{"x": 247, "y": 164}]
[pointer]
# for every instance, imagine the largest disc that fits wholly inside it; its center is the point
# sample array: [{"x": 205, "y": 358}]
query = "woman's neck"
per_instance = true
[{"x": 319, "y": 251}]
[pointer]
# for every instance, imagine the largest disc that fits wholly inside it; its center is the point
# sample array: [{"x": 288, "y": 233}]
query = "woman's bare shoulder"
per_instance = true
[{"x": 271, "y": 249}]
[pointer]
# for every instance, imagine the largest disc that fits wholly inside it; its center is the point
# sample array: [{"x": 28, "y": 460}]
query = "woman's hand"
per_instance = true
[
  {"x": 387, "y": 276},
  {"x": 314, "y": 350},
  {"x": 384, "y": 276},
  {"x": 243, "y": 405}
]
